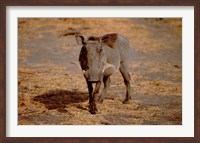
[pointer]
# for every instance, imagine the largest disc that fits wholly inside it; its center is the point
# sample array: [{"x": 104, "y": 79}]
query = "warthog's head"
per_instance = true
[{"x": 93, "y": 58}]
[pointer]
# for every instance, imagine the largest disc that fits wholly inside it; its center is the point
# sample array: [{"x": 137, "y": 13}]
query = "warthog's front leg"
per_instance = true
[
  {"x": 106, "y": 81},
  {"x": 90, "y": 90},
  {"x": 93, "y": 97}
]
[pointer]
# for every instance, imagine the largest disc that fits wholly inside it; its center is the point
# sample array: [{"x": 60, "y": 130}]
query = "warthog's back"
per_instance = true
[{"x": 119, "y": 52}]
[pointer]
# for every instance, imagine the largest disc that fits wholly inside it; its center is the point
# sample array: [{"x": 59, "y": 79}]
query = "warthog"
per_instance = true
[{"x": 100, "y": 57}]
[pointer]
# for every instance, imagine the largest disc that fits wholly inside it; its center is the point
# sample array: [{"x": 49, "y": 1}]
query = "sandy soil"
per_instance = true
[{"x": 52, "y": 90}]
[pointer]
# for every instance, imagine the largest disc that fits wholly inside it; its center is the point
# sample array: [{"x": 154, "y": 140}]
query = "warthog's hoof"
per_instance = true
[
  {"x": 126, "y": 101},
  {"x": 93, "y": 110}
]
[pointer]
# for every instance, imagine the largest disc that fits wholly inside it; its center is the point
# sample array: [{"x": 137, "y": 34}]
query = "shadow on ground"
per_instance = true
[{"x": 59, "y": 99}]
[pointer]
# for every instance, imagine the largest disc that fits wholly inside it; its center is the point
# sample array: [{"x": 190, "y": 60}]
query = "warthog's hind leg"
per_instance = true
[
  {"x": 124, "y": 71},
  {"x": 106, "y": 81}
]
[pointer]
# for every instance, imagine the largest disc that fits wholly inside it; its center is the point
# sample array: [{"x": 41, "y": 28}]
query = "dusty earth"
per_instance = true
[{"x": 52, "y": 90}]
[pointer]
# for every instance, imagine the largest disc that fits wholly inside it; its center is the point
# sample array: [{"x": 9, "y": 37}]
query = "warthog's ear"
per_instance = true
[
  {"x": 109, "y": 39},
  {"x": 80, "y": 40}
]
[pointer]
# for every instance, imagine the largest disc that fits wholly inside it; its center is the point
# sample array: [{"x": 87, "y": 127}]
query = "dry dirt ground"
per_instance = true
[{"x": 52, "y": 90}]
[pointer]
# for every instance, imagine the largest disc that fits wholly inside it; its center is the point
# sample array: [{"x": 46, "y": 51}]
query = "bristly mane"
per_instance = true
[
  {"x": 108, "y": 39},
  {"x": 93, "y": 38}
]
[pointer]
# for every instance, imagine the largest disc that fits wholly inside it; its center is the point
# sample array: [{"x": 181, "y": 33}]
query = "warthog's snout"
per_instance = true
[{"x": 93, "y": 75}]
